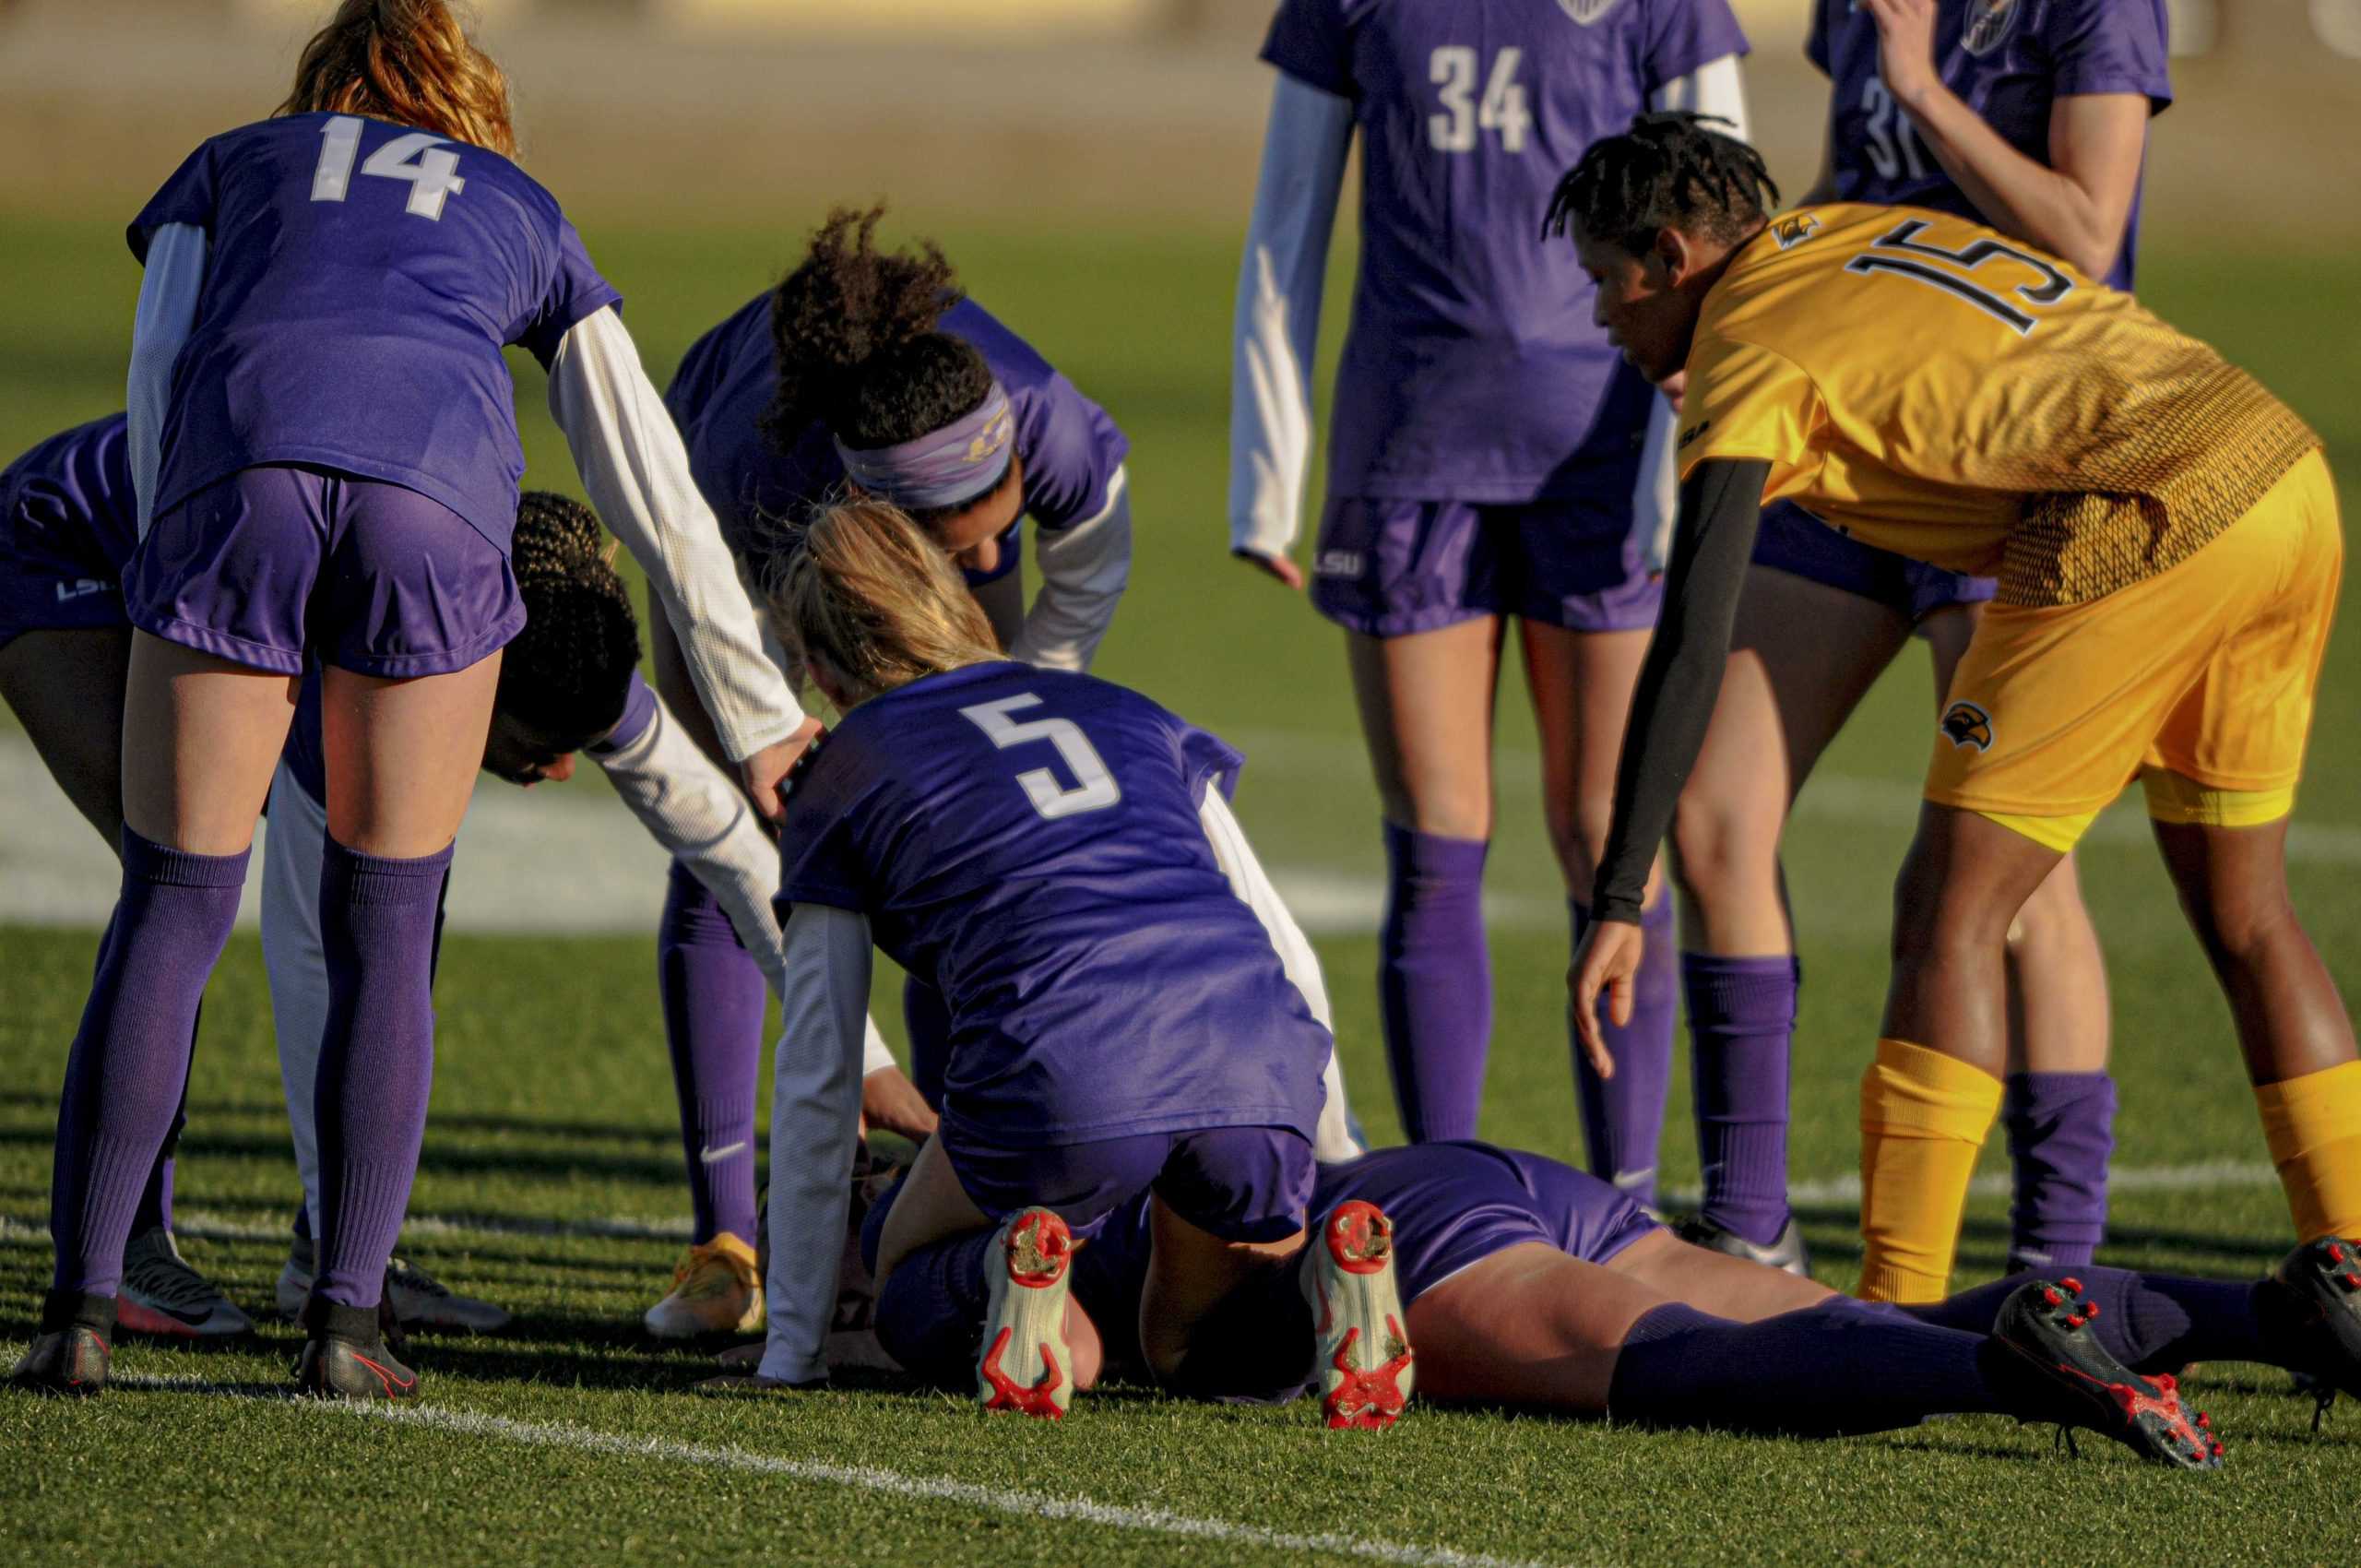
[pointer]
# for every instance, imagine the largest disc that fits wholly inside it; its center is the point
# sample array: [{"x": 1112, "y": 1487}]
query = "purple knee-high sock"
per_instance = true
[
  {"x": 931, "y": 1314},
  {"x": 1834, "y": 1369},
  {"x": 2061, "y": 1132},
  {"x": 156, "y": 1198},
  {"x": 1741, "y": 1027},
  {"x": 713, "y": 992},
  {"x": 926, "y": 1018},
  {"x": 1434, "y": 981},
  {"x": 2149, "y": 1322},
  {"x": 129, "y": 1064},
  {"x": 377, "y": 923},
  {"x": 1624, "y": 1116}
]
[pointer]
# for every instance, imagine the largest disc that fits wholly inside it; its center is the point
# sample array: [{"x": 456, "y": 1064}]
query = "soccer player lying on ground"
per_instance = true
[
  {"x": 868, "y": 371},
  {"x": 1529, "y": 1283},
  {"x": 1052, "y": 854},
  {"x": 2166, "y": 536},
  {"x": 569, "y": 683},
  {"x": 1490, "y": 460},
  {"x": 323, "y": 440},
  {"x": 66, "y": 518},
  {"x": 2066, "y": 87}
]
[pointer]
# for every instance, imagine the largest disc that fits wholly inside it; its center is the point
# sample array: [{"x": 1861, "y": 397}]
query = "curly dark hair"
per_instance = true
[
  {"x": 567, "y": 674},
  {"x": 1667, "y": 172},
  {"x": 854, "y": 330}
]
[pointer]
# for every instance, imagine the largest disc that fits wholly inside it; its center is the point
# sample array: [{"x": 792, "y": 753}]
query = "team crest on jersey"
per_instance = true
[
  {"x": 1965, "y": 724},
  {"x": 1988, "y": 24},
  {"x": 1585, "y": 12},
  {"x": 1793, "y": 231}
]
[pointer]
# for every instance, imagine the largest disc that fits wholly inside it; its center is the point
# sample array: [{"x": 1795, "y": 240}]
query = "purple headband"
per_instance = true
[{"x": 945, "y": 467}]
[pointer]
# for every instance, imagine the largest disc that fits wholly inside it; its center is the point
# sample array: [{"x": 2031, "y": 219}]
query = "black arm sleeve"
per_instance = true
[{"x": 1721, "y": 506}]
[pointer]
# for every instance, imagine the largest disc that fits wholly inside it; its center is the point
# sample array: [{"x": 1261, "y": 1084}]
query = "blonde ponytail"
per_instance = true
[
  {"x": 409, "y": 62},
  {"x": 867, "y": 594}
]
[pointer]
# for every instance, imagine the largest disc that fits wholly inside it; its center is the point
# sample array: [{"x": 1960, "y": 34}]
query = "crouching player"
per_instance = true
[
  {"x": 569, "y": 683},
  {"x": 2166, "y": 536},
  {"x": 1529, "y": 1283},
  {"x": 1051, "y": 853}
]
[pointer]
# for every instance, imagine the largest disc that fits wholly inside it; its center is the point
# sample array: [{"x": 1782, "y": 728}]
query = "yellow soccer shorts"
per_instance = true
[{"x": 2201, "y": 679}]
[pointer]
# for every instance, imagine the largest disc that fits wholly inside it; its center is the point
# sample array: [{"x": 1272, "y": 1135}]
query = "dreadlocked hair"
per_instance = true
[
  {"x": 567, "y": 674},
  {"x": 409, "y": 62},
  {"x": 855, "y": 338},
  {"x": 863, "y": 591},
  {"x": 1667, "y": 172}
]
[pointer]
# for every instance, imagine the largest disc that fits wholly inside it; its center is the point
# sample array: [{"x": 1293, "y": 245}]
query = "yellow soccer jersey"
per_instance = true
[{"x": 1935, "y": 388}]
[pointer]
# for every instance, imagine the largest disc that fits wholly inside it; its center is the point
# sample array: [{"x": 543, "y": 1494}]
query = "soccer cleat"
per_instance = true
[
  {"x": 416, "y": 1299},
  {"x": 1785, "y": 1254},
  {"x": 714, "y": 1291},
  {"x": 1364, "y": 1357},
  {"x": 346, "y": 1356},
  {"x": 163, "y": 1295},
  {"x": 68, "y": 1358},
  {"x": 1025, "y": 1363},
  {"x": 2314, "y": 1298},
  {"x": 2048, "y": 1326}
]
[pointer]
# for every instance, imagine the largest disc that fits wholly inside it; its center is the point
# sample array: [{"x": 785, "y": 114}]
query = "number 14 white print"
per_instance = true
[{"x": 426, "y": 161}]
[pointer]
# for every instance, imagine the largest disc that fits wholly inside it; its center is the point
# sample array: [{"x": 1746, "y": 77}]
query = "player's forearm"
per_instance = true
[
  {"x": 815, "y": 1118},
  {"x": 1276, "y": 326},
  {"x": 637, "y": 473},
  {"x": 1083, "y": 572},
  {"x": 2016, "y": 193},
  {"x": 1720, "y": 508}
]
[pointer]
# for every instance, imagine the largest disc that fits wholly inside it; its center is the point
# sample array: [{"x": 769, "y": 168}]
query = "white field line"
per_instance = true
[{"x": 873, "y": 1479}]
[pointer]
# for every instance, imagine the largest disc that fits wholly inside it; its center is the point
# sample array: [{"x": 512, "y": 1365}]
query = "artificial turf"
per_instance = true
[{"x": 552, "y": 1125}]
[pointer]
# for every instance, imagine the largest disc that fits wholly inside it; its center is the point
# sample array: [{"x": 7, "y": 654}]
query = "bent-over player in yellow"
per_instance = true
[{"x": 2165, "y": 537}]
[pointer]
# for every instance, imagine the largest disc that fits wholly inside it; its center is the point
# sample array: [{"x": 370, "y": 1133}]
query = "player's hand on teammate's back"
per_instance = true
[
  {"x": 1279, "y": 566},
  {"x": 1606, "y": 960},
  {"x": 1905, "y": 47},
  {"x": 765, "y": 771}
]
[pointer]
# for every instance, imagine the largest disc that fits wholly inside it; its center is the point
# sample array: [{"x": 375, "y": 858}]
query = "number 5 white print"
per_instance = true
[
  {"x": 426, "y": 161},
  {"x": 1096, "y": 788}
]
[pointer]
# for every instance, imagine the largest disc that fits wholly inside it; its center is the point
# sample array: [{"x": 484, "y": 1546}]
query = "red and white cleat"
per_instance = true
[
  {"x": 1366, "y": 1368},
  {"x": 1025, "y": 1365}
]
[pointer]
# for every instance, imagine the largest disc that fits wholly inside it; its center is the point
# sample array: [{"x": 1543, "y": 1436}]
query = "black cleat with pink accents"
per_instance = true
[
  {"x": 2048, "y": 1326},
  {"x": 68, "y": 1358},
  {"x": 346, "y": 1356},
  {"x": 2314, "y": 1297}
]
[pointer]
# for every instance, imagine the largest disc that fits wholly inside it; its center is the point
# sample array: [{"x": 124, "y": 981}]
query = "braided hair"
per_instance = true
[
  {"x": 567, "y": 674},
  {"x": 1667, "y": 172},
  {"x": 856, "y": 345}
]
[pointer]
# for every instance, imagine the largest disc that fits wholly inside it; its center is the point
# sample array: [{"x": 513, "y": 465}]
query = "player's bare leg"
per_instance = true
[
  {"x": 1582, "y": 684},
  {"x": 1931, "y": 1096},
  {"x": 2059, "y": 1102},
  {"x": 1426, "y": 704},
  {"x": 66, "y": 687},
  {"x": 1803, "y": 654},
  {"x": 2293, "y": 1028},
  {"x": 1190, "y": 1272}
]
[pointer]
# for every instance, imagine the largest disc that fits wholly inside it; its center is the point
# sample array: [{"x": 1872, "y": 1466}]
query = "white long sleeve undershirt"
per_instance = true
[
  {"x": 636, "y": 474},
  {"x": 168, "y": 291},
  {"x": 1083, "y": 572}
]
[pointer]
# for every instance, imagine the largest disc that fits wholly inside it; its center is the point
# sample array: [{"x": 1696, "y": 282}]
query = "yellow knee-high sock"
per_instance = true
[
  {"x": 1923, "y": 1118},
  {"x": 2313, "y": 1125}
]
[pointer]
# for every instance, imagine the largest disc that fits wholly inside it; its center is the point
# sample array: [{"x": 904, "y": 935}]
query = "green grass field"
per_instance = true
[{"x": 552, "y": 1116}]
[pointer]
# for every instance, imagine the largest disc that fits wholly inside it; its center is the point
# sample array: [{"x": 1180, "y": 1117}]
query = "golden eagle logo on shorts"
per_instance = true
[
  {"x": 1965, "y": 724},
  {"x": 1988, "y": 25}
]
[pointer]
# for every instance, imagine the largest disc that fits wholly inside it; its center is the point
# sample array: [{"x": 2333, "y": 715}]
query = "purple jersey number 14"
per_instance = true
[{"x": 424, "y": 160}]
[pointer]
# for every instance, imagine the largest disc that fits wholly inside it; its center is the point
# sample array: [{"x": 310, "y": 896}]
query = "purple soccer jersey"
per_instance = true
[
  {"x": 68, "y": 526},
  {"x": 1472, "y": 370},
  {"x": 1070, "y": 448},
  {"x": 2011, "y": 61},
  {"x": 1027, "y": 842},
  {"x": 361, "y": 281}
]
